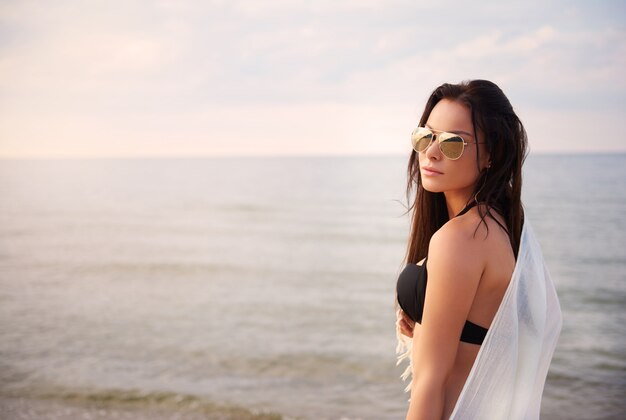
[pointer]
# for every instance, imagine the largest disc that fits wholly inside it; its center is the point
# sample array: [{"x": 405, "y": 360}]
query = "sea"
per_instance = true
[{"x": 268, "y": 282}]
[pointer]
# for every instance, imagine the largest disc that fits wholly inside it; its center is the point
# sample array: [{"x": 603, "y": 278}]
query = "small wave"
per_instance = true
[{"x": 137, "y": 399}]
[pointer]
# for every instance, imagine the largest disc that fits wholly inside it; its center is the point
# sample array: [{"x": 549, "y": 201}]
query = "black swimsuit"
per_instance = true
[{"x": 411, "y": 290}]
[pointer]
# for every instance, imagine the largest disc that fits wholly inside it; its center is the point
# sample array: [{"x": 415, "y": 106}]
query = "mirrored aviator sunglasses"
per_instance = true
[{"x": 450, "y": 144}]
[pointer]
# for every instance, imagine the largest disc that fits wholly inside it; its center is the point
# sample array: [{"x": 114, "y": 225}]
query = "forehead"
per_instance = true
[{"x": 450, "y": 115}]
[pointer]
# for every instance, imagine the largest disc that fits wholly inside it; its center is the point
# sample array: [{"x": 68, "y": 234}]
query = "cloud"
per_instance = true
[
  {"x": 126, "y": 67},
  {"x": 494, "y": 44}
]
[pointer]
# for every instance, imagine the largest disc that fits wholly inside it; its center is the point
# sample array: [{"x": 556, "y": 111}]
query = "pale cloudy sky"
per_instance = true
[{"x": 196, "y": 78}]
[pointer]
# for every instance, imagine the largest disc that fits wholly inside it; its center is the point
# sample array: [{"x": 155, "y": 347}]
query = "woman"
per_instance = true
[{"x": 480, "y": 337}]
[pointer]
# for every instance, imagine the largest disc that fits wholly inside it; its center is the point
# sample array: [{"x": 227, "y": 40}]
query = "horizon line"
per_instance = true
[{"x": 289, "y": 155}]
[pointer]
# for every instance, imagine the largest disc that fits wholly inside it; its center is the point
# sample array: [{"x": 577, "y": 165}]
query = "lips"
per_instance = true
[{"x": 428, "y": 168}]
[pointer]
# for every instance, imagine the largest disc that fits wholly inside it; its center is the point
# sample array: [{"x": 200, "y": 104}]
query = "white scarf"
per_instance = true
[{"x": 507, "y": 378}]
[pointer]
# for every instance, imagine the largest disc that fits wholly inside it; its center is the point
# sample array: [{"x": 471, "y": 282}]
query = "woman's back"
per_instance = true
[{"x": 499, "y": 263}]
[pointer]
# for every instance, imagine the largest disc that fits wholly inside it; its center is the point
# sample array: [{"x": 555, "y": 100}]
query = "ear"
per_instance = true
[
  {"x": 485, "y": 159},
  {"x": 483, "y": 152}
]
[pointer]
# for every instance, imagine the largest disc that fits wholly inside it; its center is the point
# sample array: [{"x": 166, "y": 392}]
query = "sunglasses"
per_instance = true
[{"x": 451, "y": 145}]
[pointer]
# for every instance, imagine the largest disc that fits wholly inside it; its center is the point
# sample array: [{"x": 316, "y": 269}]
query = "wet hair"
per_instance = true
[{"x": 498, "y": 187}]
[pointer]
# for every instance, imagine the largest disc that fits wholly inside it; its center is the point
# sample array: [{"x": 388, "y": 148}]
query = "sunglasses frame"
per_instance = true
[{"x": 437, "y": 134}]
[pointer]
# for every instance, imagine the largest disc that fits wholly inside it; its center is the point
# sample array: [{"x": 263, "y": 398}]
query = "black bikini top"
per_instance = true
[{"x": 411, "y": 290}]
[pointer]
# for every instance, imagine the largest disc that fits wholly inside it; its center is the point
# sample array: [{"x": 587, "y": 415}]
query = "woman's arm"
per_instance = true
[{"x": 455, "y": 266}]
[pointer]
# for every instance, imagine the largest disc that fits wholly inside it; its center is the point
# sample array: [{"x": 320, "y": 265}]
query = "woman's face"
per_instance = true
[{"x": 458, "y": 176}]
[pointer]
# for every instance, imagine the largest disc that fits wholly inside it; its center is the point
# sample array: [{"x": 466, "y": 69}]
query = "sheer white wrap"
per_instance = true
[{"x": 509, "y": 373}]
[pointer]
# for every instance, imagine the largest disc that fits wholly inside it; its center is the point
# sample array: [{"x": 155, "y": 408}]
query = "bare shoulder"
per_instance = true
[
  {"x": 455, "y": 249},
  {"x": 479, "y": 246},
  {"x": 468, "y": 241},
  {"x": 464, "y": 232}
]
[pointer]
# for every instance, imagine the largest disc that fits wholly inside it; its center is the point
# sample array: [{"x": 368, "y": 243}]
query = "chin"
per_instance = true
[{"x": 432, "y": 187}]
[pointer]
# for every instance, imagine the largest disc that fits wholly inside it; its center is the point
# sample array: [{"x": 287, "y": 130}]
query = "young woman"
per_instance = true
[{"x": 468, "y": 231}]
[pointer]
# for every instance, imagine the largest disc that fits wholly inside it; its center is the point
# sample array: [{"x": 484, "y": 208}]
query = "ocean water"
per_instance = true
[{"x": 268, "y": 283}]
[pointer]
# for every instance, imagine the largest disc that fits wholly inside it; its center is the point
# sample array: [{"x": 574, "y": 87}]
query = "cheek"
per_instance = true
[
  {"x": 468, "y": 169},
  {"x": 470, "y": 161}
]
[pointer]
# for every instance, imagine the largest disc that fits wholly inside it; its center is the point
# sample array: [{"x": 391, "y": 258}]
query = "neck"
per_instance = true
[{"x": 456, "y": 203}]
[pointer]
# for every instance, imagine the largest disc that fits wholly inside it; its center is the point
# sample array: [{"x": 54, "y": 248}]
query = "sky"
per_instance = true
[{"x": 277, "y": 77}]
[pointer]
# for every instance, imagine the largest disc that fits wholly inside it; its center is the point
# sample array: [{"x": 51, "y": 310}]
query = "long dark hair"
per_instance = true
[{"x": 499, "y": 187}]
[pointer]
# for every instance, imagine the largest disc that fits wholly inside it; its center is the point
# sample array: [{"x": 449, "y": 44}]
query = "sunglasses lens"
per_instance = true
[
  {"x": 421, "y": 138},
  {"x": 451, "y": 145}
]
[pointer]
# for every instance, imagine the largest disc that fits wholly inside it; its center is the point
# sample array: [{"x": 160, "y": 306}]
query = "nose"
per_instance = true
[{"x": 432, "y": 151}]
